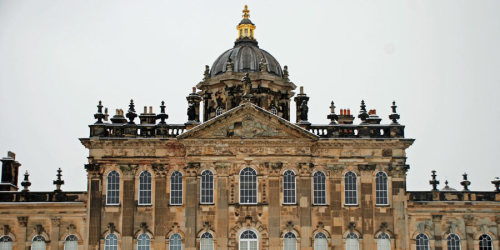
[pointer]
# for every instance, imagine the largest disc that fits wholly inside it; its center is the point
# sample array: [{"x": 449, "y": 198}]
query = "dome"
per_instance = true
[{"x": 246, "y": 57}]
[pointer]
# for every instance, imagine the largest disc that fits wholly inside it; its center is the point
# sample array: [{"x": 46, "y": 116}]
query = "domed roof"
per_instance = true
[{"x": 246, "y": 57}]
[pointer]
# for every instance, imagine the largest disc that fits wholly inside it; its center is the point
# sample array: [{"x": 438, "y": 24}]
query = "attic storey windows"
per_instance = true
[
  {"x": 207, "y": 187},
  {"x": 381, "y": 189},
  {"x": 289, "y": 187},
  {"x": 319, "y": 188},
  {"x": 248, "y": 186},
  {"x": 350, "y": 189},
  {"x": 113, "y": 189}
]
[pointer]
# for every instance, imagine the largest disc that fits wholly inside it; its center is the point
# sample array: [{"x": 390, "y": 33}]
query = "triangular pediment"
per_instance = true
[{"x": 247, "y": 121}]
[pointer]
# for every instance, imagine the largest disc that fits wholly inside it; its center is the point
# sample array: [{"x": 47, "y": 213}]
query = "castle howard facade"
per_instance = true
[{"x": 241, "y": 173}]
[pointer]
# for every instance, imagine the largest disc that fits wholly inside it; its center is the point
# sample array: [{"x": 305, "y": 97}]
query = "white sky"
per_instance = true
[{"x": 440, "y": 60}]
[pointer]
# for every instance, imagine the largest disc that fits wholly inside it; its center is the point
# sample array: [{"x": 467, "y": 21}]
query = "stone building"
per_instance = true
[{"x": 239, "y": 174}]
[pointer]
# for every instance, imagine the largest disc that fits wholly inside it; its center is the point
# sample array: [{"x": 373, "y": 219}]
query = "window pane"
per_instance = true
[
  {"x": 248, "y": 186},
  {"x": 320, "y": 242},
  {"x": 38, "y": 243},
  {"x": 383, "y": 242},
  {"x": 111, "y": 242},
  {"x": 5, "y": 243},
  {"x": 352, "y": 242},
  {"x": 350, "y": 189},
  {"x": 381, "y": 189},
  {"x": 319, "y": 188},
  {"x": 453, "y": 242},
  {"x": 143, "y": 242},
  {"x": 485, "y": 242},
  {"x": 113, "y": 189},
  {"x": 145, "y": 188},
  {"x": 207, "y": 187},
  {"x": 175, "y": 242},
  {"x": 422, "y": 242},
  {"x": 176, "y": 188},
  {"x": 71, "y": 243},
  {"x": 289, "y": 187}
]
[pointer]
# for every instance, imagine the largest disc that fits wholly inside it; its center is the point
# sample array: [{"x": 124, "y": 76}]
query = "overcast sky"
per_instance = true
[{"x": 440, "y": 60}]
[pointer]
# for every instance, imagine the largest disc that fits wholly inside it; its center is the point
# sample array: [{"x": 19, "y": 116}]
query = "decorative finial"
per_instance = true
[
  {"x": 362, "y": 112},
  {"x": 99, "y": 115},
  {"x": 59, "y": 181},
  {"x": 465, "y": 182},
  {"x": 26, "y": 182},
  {"x": 332, "y": 116},
  {"x": 496, "y": 182},
  {"x": 162, "y": 116},
  {"x": 394, "y": 116},
  {"x": 246, "y": 13},
  {"x": 433, "y": 181},
  {"x": 131, "y": 115}
]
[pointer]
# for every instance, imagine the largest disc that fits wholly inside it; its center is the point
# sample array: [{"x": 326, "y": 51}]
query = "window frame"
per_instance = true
[
  {"x": 453, "y": 247},
  {"x": 71, "y": 240},
  {"x": 355, "y": 191},
  {"x": 320, "y": 236},
  {"x": 210, "y": 238},
  {"x": 179, "y": 193},
  {"x": 256, "y": 239},
  {"x": 256, "y": 187},
  {"x": 383, "y": 236},
  {"x": 146, "y": 245},
  {"x": 7, "y": 240},
  {"x": 210, "y": 189},
  {"x": 170, "y": 241},
  {"x": 323, "y": 191},
  {"x": 111, "y": 191},
  {"x": 294, "y": 176},
  {"x": 381, "y": 191},
  {"x": 488, "y": 241},
  {"x": 425, "y": 244},
  {"x": 149, "y": 193},
  {"x": 352, "y": 236},
  {"x": 112, "y": 246},
  {"x": 36, "y": 239}
]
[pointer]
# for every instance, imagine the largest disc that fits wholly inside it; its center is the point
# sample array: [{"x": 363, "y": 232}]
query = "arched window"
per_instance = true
[
  {"x": 207, "y": 241},
  {"x": 350, "y": 189},
  {"x": 5, "y": 243},
  {"x": 248, "y": 186},
  {"x": 113, "y": 191},
  {"x": 145, "y": 188},
  {"x": 38, "y": 243},
  {"x": 249, "y": 241},
  {"x": 320, "y": 242},
  {"x": 143, "y": 242},
  {"x": 176, "y": 188},
  {"x": 485, "y": 242},
  {"x": 453, "y": 242},
  {"x": 319, "y": 188},
  {"x": 111, "y": 242},
  {"x": 383, "y": 242},
  {"x": 219, "y": 111},
  {"x": 175, "y": 242},
  {"x": 290, "y": 241},
  {"x": 70, "y": 243},
  {"x": 351, "y": 242},
  {"x": 422, "y": 242},
  {"x": 289, "y": 187},
  {"x": 207, "y": 187},
  {"x": 381, "y": 190}
]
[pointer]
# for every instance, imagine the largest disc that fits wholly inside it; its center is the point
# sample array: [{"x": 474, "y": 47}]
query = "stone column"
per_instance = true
[
  {"x": 436, "y": 221},
  {"x": 95, "y": 205},
  {"x": 304, "y": 201},
  {"x": 55, "y": 222},
  {"x": 497, "y": 218},
  {"x": 222, "y": 214},
  {"x": 274, "y": 206},
  {"x": 129, "y": 206},
  {"x": 469, "y": 230},
  {"x": 160, "y": 207},
  {"x": 191, "y": 203},
  {"x": 367, "y": 205},
  {"x": 21, "y": 236},
  {"x": 398, "y": 175}
]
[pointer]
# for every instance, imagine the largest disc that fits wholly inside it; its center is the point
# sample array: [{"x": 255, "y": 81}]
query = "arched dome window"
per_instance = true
[
  {"x": 249, "y": 241},
  {"x": 5, "y": 243},
  {"x": 207, "y": 241},
  {"x": 143, "y": 242},
  {"x": 422, "y": 242},
  {"x": 320, "y": 242},
  {"x": 248, "y": 186},
  {"x": 70, "y": 243},
  {"x": 290, "y": 241}
]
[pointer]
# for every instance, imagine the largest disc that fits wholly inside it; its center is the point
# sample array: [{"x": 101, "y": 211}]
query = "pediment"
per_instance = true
[{"x": 247, "y": 121}]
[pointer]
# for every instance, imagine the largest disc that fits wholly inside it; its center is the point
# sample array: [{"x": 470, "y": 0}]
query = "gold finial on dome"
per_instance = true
[
  {"x": 245, "y": 12},
  {"x": 246, "y": 27}
]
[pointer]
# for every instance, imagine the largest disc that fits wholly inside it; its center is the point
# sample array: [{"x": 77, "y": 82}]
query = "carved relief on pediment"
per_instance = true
[{"x": 248, "y": 127}]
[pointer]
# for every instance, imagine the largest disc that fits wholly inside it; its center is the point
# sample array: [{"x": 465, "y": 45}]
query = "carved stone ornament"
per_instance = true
[
  {"x": 38, "y": 229},
  {"x": 56, "y": 221},
  {"x": 160, "y": 170},
  {"x": 398, "y": 170},
  {"x": 128, "y": 169},
  {"x": 111, "y": 227},
  {"x": 367, "y": 167},
  {"x": 335, "y": 167},
  {"x": 469, "y": 219},
  {"x": 23, "y": 221},
  {"x": 352, "y": 226}
]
